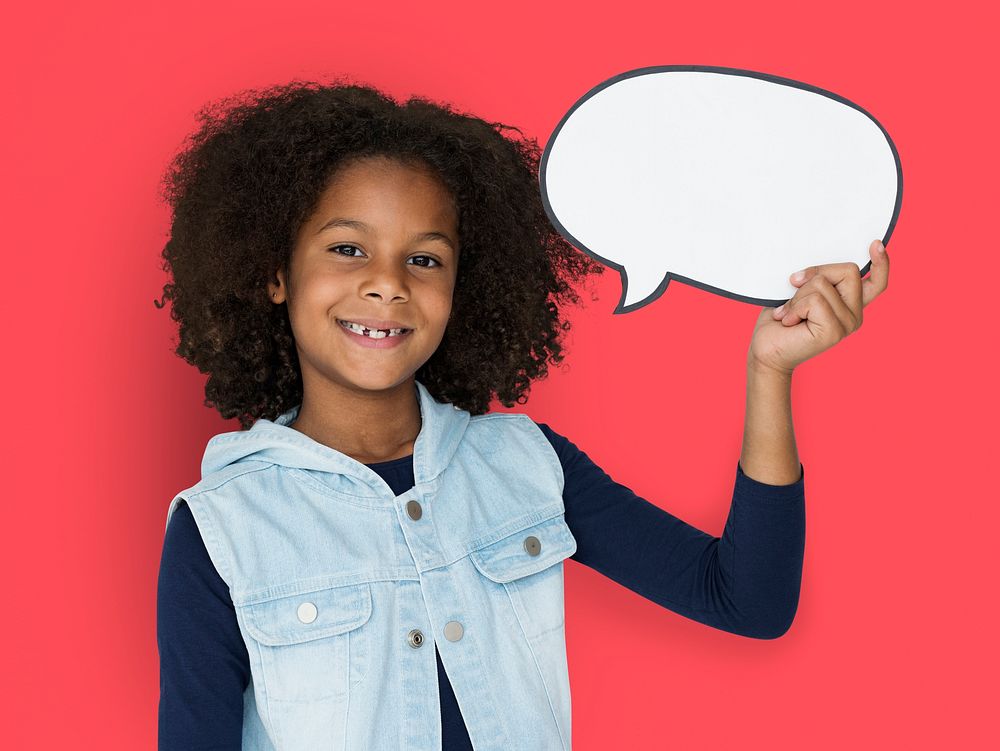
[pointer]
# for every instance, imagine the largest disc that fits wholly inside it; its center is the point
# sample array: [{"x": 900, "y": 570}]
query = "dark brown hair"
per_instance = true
[{"x": 253, "y": 172}]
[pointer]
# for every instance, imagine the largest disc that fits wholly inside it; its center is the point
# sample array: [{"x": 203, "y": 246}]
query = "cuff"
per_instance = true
[{"x": 746, "y": 485}]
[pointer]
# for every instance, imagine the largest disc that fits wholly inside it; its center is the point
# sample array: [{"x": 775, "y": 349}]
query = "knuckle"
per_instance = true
[{"x": 838, "y": 328}]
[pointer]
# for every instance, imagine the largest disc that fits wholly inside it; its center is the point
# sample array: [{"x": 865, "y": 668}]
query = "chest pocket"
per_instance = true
[
  {"x": 312, "y": 645},
  {"x": 528, "y": 565}
]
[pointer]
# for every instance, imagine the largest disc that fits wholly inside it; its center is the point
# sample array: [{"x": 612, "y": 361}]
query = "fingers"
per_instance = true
[
  {"x": 838, "y": 284},
  {"x": 878, "y": 275},
  {"x": 819, "y": 302},
  {"x": 841, "y": 286}
]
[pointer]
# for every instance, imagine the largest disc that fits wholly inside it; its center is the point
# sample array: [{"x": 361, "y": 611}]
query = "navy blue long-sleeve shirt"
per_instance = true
[{"x": 745, "y": 583}]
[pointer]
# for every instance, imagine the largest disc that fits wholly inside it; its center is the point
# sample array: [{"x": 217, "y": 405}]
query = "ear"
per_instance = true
[{"x": 277, "y": 289}]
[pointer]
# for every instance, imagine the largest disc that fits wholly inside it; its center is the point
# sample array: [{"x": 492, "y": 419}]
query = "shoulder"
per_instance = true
[
  {"x": 186, "y": 568},
  {"x": 216, "y": 487},
  {"x": 182, "y": 529},
  {"x": 187, "y": 576},
  {"x": 556, "y": 439},
  {"x": 513, "y": 438},
  {"x": 494, "y": 427},
  {"x": 583, "y": 475},
  {"x": 183, "y": 544},
  {"x": 567, "y": 451}
]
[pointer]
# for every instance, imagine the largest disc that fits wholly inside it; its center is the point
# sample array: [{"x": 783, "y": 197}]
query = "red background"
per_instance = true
[{"x": 896, "y": 425}]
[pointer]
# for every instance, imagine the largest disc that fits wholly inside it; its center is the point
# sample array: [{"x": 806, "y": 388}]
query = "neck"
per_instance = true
[{"x": 368, "y": 426}]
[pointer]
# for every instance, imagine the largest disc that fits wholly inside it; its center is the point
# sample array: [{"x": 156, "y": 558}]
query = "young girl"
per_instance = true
[{"x": 375, "y": 561}]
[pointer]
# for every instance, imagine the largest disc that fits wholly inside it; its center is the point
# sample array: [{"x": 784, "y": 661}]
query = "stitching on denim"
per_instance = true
[
  {"x": 264, "y": 692},
  {"x": 355, "y": 635},
  {"x": 207, "y": 527},
  {"x": 492, "y": 690},
  {"x": 347, "y": 696},
  {"x": 518, "y": 525},
  {"x": 318, "y": 584},
  {"x": 548, "y": 631},
  {"x": 306, "y": 479},
  {"x": 547, "y": 450},
  {"x": 225, "y": 480},
  {"x": 538, "y": 667}
]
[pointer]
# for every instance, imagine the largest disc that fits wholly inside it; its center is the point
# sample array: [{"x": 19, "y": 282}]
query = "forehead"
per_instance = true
[{"x": 384, "y": 187}]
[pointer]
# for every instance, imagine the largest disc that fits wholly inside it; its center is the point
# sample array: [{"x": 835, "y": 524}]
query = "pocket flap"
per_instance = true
[
  {"x": 513, "y": 558},
  {"x": 311, "y": 615}
]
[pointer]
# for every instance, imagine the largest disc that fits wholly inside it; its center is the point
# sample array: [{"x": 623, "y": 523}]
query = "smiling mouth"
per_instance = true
[{"x": 357, "y": 328}]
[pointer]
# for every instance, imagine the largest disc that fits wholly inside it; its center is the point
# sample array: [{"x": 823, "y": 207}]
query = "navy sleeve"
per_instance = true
[
  {"x": 204, "y": 664},
  {"x": 746, "y": 582}
]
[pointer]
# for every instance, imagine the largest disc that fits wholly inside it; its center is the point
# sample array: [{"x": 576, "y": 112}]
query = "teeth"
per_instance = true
[{"x": 371, "y": 333}]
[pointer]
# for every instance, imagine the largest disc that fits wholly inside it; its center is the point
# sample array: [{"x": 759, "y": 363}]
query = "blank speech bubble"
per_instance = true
[{"x": 728, "y": 180}]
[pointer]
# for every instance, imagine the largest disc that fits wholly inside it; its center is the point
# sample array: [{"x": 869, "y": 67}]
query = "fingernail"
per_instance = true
[
  {"x": 779, "y": 309},
  {"x": 798, "y": 276},
  {"x": 880, "y": 248}
]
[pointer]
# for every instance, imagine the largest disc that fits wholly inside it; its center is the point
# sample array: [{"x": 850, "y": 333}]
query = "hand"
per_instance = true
[{"x": 825, "y": 309}]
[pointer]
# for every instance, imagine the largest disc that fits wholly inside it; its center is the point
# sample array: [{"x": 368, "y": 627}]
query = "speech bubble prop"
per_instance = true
[{"x": 728, "y": 180}]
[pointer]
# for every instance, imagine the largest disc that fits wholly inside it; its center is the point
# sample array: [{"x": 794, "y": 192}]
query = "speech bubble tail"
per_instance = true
[{"x": 637, "y": 295}]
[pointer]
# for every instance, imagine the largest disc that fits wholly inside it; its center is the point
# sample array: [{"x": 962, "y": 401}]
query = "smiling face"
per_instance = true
[{"x": 381, "y": 250}]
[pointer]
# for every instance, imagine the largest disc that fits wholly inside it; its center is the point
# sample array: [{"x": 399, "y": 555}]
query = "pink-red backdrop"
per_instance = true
[{"x": 896, "y": 426}]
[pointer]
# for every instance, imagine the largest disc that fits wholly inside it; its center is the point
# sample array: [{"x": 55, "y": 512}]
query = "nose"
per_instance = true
[{"x": 386, "y": 280}]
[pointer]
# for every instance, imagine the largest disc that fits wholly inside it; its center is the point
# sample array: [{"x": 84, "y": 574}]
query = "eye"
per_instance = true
[{"x": 335, "y": 249}]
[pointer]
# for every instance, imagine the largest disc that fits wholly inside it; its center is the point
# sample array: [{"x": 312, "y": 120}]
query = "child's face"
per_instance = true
[{"x": 386, "y": 271}]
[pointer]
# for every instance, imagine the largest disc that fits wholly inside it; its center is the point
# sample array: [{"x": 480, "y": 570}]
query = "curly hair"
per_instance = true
[{"x": 253, "y": 172}]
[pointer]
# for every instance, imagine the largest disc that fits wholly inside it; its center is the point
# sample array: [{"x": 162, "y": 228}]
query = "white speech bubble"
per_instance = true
[{"x": 728, "y": 180}]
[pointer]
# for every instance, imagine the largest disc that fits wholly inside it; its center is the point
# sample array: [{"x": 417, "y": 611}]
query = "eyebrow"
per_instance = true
[{"x": 362, "y": 227}]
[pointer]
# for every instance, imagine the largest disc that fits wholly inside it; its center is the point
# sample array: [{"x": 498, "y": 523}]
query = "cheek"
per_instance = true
[
  {"x": 449, "y": 295},
  {"x": 436, "y": 300},
  {"x": 439, "y": 313},
  {"x": 446, "y": 309},
  {"x": 311, "y": 310},
  {"x": 319, "y": 292}
]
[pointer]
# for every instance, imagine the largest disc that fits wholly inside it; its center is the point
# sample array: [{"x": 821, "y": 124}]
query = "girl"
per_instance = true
[{"x": 375, "y": 561}]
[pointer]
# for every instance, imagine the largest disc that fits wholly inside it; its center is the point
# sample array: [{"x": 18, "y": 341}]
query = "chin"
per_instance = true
[{"x": 378, "y": 382}]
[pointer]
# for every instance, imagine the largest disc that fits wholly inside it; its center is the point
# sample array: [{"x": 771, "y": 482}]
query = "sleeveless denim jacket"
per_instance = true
[{"x": 342, "y": 589}]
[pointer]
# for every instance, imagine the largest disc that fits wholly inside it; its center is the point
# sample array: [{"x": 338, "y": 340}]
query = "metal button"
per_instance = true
[
  {"x": 453, "y": 631},
  {"x": 532, "y": 545},
  {"x": 307, "y": 612},
  {"x": 414, "y": 510},
  {"x": 415, "y": 638}
]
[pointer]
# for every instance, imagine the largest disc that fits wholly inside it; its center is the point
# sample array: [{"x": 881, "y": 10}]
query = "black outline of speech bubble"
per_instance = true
[{"x": 661, "y": 288}]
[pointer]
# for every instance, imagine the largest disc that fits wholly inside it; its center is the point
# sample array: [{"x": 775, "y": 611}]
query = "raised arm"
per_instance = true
[{"x": 746, "y": 582}]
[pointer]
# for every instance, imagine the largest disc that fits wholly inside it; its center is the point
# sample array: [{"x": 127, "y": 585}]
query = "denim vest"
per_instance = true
[{"x": 342, "y": 589}]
